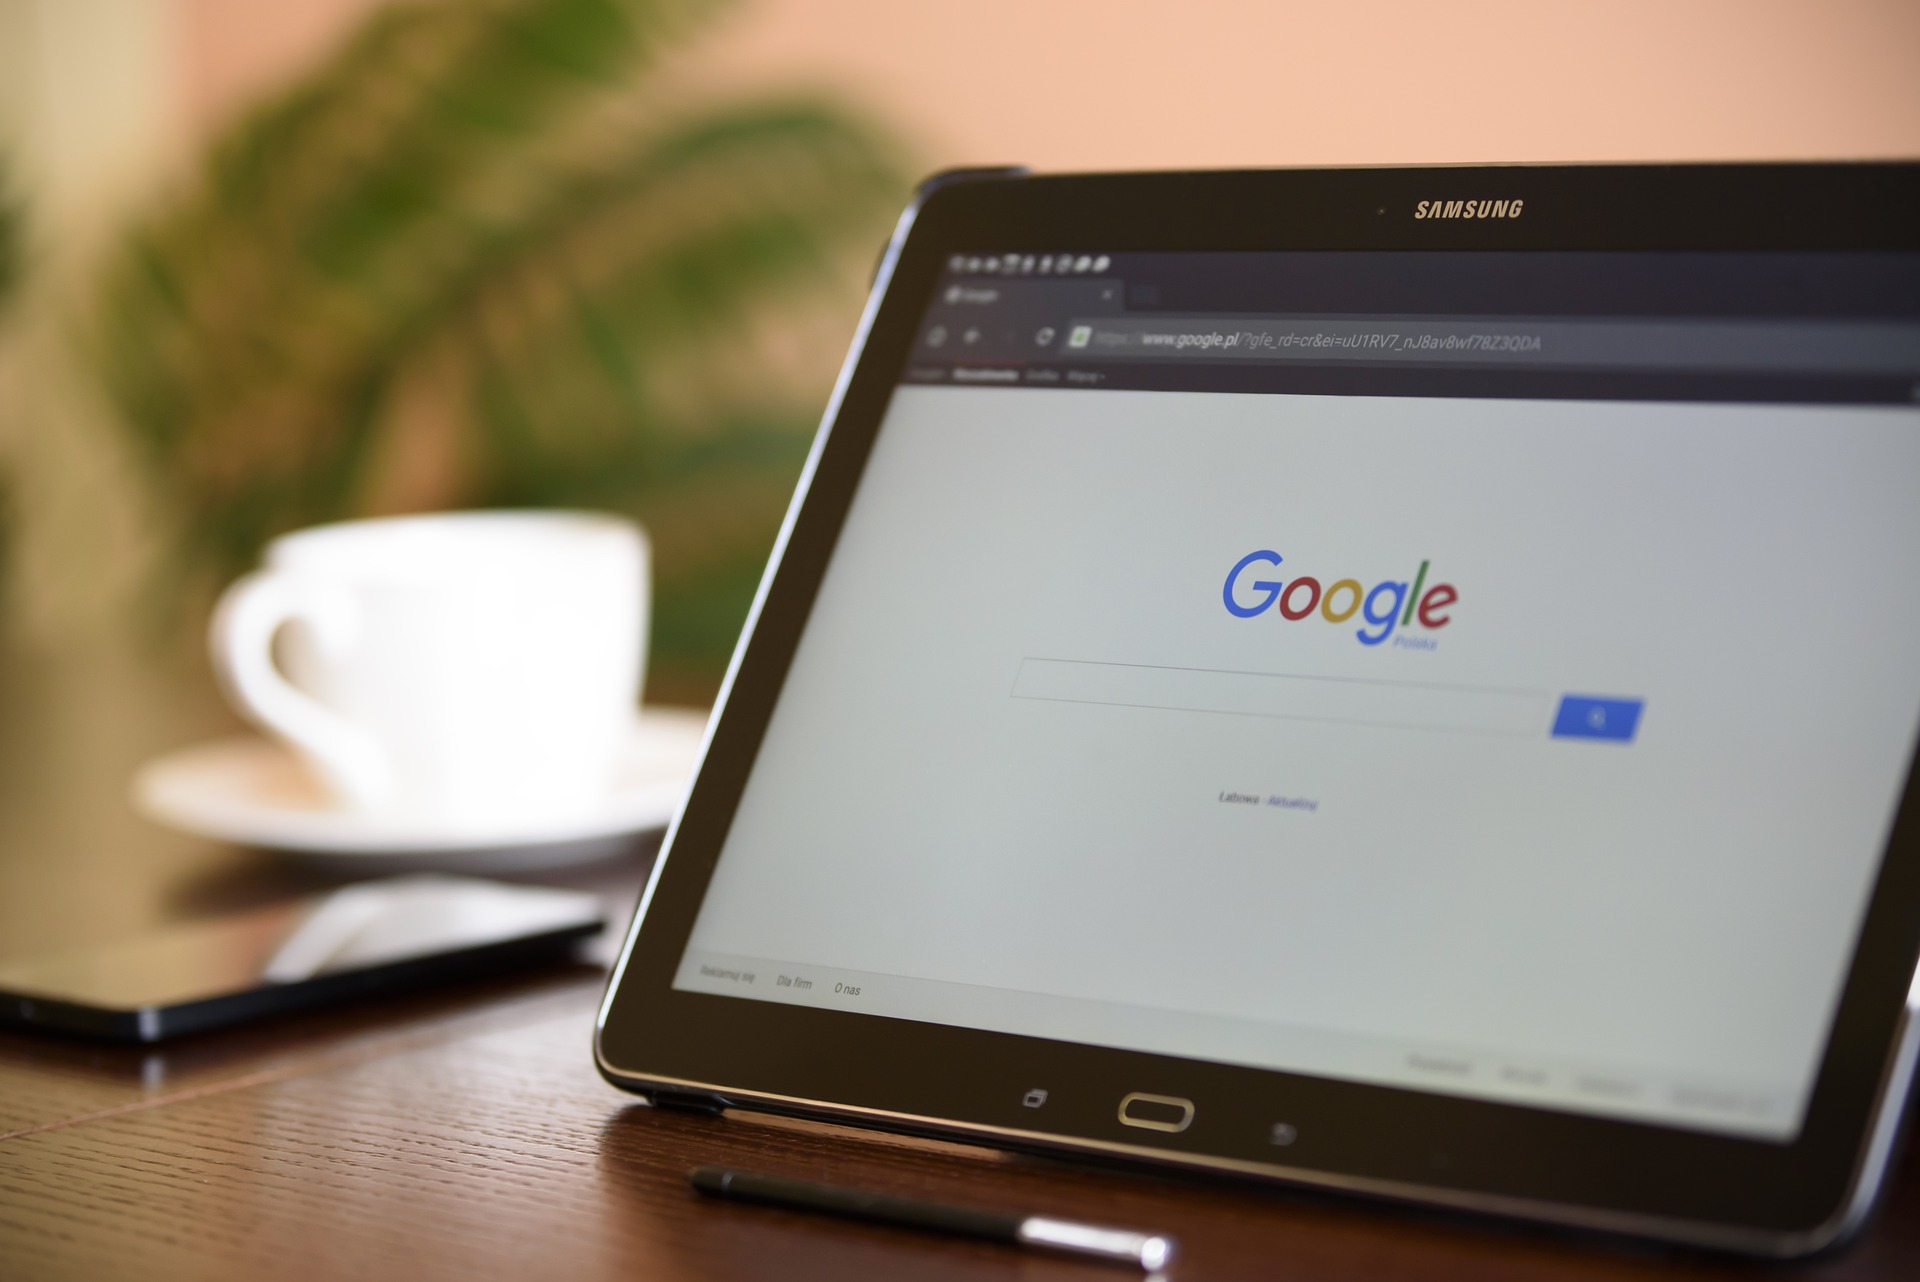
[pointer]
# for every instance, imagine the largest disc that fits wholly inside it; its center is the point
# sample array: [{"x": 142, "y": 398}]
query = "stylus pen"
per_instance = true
[{"x": 1149, "y": 1251}]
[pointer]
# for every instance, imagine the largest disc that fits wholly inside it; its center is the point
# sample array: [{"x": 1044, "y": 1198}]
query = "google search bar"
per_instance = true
[{"x": 1351, "y": 701}]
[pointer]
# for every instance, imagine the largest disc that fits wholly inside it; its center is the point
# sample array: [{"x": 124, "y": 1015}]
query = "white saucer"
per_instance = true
[{"x": 255, "y": 792}]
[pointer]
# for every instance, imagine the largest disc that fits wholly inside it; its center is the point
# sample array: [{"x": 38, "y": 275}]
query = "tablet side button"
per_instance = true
[{"x": 1167, "y": 1113}]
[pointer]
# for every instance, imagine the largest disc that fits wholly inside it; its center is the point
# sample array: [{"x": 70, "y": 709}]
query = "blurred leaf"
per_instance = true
[
  {"x": 9, "y": 236},
  {"x": 496, "y": 216},
  {"x": 9, "y": 275}
]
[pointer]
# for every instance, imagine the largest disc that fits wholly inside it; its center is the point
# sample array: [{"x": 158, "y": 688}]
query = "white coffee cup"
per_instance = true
[{"x": 462, "y": 669}]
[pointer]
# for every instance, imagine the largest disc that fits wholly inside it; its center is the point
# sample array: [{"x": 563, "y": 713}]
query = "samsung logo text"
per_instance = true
[{"x": 1468, "y": 209}]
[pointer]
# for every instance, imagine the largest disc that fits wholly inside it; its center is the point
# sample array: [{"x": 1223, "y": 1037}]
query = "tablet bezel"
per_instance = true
[{"x": 1709, "y": 1189}]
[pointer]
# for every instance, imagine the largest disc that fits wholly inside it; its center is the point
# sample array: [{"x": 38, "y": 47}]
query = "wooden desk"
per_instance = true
[
  {"x": 464, "y": 1134},
  {"x": 469, "y": 1137}
]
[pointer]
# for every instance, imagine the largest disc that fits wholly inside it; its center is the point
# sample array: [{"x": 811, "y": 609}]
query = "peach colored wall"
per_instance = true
[
  {"x": 1130, "y": 83},
  {"x": 1122, "y": 83},
  {"x": 231, "y": 51}
]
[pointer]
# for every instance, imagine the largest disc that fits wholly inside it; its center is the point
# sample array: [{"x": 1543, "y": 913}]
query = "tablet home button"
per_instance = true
[{"x": 1156, "y": 1112}]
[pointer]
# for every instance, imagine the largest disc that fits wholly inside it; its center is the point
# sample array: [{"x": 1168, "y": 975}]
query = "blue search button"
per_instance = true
[{"x": 1581, "y": 717}]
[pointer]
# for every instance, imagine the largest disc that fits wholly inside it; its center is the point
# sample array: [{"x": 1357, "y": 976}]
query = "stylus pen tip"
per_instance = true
[{"x": 1151, "y": 1251}]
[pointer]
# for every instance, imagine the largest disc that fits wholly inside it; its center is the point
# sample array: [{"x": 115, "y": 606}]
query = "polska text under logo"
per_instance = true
[{"x": 1468, "y": 209}]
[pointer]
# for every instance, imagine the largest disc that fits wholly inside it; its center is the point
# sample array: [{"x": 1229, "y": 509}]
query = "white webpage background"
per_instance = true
[{"x": 1685, "y": 904}]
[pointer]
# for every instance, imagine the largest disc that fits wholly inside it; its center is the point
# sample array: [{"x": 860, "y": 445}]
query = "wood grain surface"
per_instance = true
[
  {"x": 463, "y": 1133},
  {"x": 488, "y": 1147}
]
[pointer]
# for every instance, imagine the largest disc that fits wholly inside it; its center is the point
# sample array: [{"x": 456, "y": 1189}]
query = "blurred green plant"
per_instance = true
[
  {"x": 9, "y": 276},
  {"x": 495, "y": 253},
  {"x": 9, "y": 236}
]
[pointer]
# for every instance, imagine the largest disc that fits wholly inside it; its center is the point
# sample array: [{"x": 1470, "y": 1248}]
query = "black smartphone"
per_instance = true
[{"x": 373, "y": 936}]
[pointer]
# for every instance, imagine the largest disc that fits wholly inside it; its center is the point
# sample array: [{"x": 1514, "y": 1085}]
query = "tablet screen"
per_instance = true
[{"x": 1482, "y": 674}]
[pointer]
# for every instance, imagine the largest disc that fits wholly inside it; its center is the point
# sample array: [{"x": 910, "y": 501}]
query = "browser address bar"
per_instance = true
[{"x": 1839, "y": 347}]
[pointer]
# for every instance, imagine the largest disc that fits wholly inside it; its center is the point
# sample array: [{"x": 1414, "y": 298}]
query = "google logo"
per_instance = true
[{"x": 1383, "y": 606}]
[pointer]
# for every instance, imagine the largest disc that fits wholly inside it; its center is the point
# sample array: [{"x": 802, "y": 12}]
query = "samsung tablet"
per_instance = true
[{"x": 1402, "y": 681}]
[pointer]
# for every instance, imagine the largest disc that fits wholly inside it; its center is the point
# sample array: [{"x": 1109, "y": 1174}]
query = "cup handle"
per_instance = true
[{"x": 251, "y": 612}]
